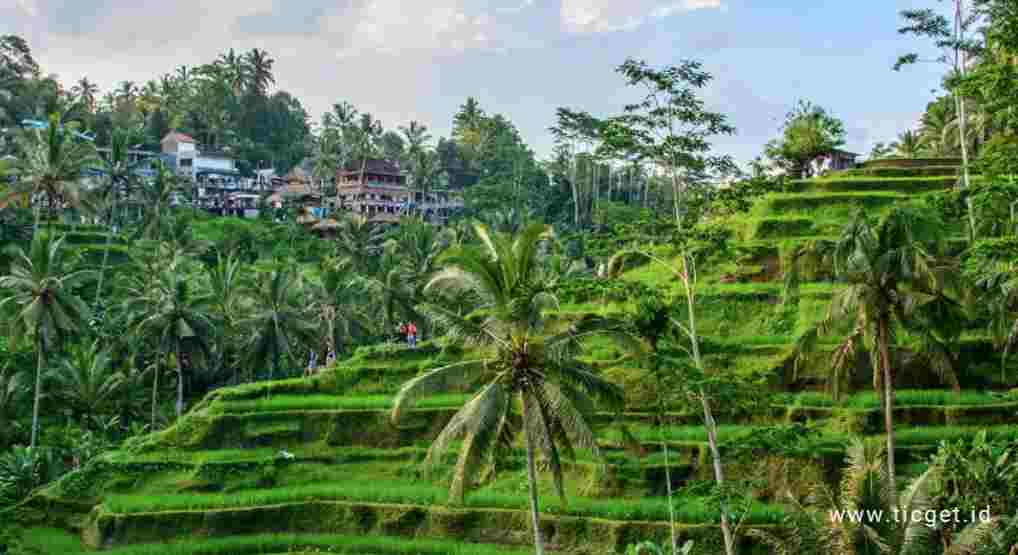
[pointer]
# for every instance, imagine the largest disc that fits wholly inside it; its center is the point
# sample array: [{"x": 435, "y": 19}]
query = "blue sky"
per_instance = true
[{"x": 420, "y": 59}]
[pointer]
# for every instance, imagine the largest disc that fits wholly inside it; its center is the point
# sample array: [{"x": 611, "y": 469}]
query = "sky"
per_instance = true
[{"x": 407, "y": 60}]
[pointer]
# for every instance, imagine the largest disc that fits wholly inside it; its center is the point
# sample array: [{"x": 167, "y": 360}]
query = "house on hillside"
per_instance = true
[
  {"x": 382, "y": 193},
  {"x": 836, "y": 160}
]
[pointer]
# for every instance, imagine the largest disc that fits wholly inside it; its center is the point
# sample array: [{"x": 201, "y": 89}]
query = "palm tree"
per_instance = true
[
  {"x": 47, "y": 307},
  {"x": 935, "y": 130},
  {"x": 360, "y": 239},
  {"x": 87, "y": 91},
  {"x": 279, "y": 322},
  {"x": 259, "y": 70},
  {"x": 339, "y": 303},
  {"x": 51, "y": 164},
  {"x": 87, "y": 381},
  {"x": 908, "y": 145},
  {"x": 226, "y": 279},
  {"x": 156, "y": 196},
  {"x": 127, "y": 91},
  {"x": 119, "y": 174},
  {"x": 236, "y": 70},
  {"x": 865, "y": 490},
  {"x": 163, "y": 308},
  {"x": 534, "y": 362},
  {"x": 998, "y": 284},
  {"x": 890, "y": 276},
  {"x": 417, "y": 136}
]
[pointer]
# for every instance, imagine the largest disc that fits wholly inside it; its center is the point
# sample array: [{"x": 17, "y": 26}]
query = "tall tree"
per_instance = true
[
  {"x": 890, "y": 275},
  {"x": 50, "y": 165},
  {"x": 280, "y": 322},
  {"x": 534, "y": 361},
  {"x": 950, "y": 36},
  {"x": 260, "y": 74},
  {"x": 808, "y": 133},
  {"x": 671, "y": 125},
  {"x": 169, "y": 311},
  {"x": 88, "y": 91},
  {"x": 908, "y": 144},
  {"x": 42, "y": 293}
]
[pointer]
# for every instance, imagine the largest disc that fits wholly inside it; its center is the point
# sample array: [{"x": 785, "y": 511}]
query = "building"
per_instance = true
[
  {"x": 381, "y": 193},
  {"x": 185, "y": 157},
  {"x": 836, "y": 160}
]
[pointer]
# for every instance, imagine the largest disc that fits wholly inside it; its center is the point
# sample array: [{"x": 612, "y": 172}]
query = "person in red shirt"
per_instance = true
[{"x": 411, "y": 335}]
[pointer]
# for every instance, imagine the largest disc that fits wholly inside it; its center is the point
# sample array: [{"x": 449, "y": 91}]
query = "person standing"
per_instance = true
[{"x": 411, "y": 334}]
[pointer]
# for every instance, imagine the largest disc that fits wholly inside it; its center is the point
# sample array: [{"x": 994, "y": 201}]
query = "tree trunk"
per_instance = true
[
  {"x": 155, "y": 394},
  {"x": 689, "y": 280},
  {"x": 532, "y": 481},
  {"x": 180, "y": 384},
  {"x": 38, "y": 216},
  {"x": 576, "y": 190},
  {"x": 885, "y": 363},
  {"x": 40, "y": 360},
  {"x": 675, "y": 199},
  {"x": 106, "y": 251},
  {"x": 960, "y": 68},
  {"x": 668, "y": 470}
]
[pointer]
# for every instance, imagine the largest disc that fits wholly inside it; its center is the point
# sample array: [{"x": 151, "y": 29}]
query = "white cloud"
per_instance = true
[
  {"x": 600, "y": 16},
  {"x": 28, "y": 6}
]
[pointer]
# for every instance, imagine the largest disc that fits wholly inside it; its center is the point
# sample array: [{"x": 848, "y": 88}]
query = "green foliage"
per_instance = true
[
  {"x": 19, "y": 473},
  {"x": 808, "y": 132}
]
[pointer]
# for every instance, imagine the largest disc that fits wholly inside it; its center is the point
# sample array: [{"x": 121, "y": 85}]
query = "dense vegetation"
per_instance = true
[{"x": 617, "y": 353}]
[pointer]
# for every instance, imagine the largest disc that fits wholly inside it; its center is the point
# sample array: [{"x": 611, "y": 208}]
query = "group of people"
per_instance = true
[{"x": 409, "y": 331}]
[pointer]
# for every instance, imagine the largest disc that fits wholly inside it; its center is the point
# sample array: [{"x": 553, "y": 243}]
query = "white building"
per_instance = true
[{"x": 184, "y": 156}]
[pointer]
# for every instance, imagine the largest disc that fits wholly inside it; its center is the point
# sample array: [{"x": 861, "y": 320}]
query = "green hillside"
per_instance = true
[{"x": 316, "y": 465}]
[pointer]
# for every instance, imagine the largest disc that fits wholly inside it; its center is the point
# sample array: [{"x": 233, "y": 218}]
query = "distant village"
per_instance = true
[{"x": 377, "y": 189}]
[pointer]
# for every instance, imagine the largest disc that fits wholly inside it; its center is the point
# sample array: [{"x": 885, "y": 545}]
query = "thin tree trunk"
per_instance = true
[
  {"x": 106, "y": 251},
  {"x": 708, "y": 418},
  {"x": 155, "y": 393},
  {"x": 675, "y": 198},
  {"x": 885, "y": 363},
  {"x": 38, "y": 386},
  {"x": 532, "y": 481},
  {"x": 180, "y": 384},
  {"x": 960, "y": 67},
  {"x": 575, "y": 187},
  {"x": 664, "y": 448},
  {"x": 38, "y": 216}
]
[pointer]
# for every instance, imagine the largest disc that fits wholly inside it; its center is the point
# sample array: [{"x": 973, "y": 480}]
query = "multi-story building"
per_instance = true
[{"x": 381, "y": 193}]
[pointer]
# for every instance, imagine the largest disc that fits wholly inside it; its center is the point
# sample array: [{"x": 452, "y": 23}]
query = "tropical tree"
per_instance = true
[
  {"x": 279, "y": 321},
  {"x": 339, "y": 303},
  {"x": 533, "y": 362},
  {"x": 908, "y": 144},
  {"x": 87, "y": 91},
  {"x": 156, "y": 195},
  {"x": 891, "y": 277},
  {"x": 360, "y": 239},
  {"x": 119, "y": 175},
  {"x": 671, "y": 126},
  {"x": 87, "y": 381},
  {"x": 809, "y": 132},
  {"x": 854, "y": 519},
  {"x": 259, "y": 70},
  {"x": 165, "y": 309},
  {"x": 50, "y": 164},
  {"x": 228, "y": 285},
  {"x": 951, "y": 37},
  {"x": 42, "y": 293}
]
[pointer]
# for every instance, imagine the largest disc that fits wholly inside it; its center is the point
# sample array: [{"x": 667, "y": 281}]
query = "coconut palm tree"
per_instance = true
[
  {"x": 51, "y": 164},
  {"x": 908, "y": 145},
  {"x": 360, "y": 239},
  {"x": 237, "y": 71},
  {"x": 280, "y": 322},
  {"x": 86, "y": 380},
  {"x": 890, "y": 275},
  {"x": 259, "y": 70},
  {"x": 339, "y": 303},
  {"x": 227, "y": 282},
  {"x": 417, "y": 136},
  {"x": 156, "y": 196},
  {"x": 865, "y": 490},
  {"x": 533, "y": 382},
  {"x": 87, "y": 91},
  {"x": 42, "y": 293},
  {"x": 165, "y": 309},
  {"x": 119, "y": 175}
]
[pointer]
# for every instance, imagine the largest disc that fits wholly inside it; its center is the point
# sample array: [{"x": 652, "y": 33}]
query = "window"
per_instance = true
[{"x": 186, "y": 162}]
